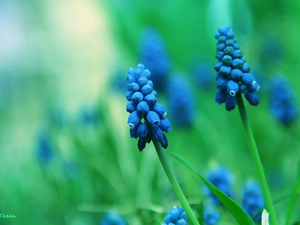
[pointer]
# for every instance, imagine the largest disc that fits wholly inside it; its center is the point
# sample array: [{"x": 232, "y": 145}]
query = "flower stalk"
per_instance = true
[
  {"x": 255, "y": 155},
  {"x": 173, "y": 181}
]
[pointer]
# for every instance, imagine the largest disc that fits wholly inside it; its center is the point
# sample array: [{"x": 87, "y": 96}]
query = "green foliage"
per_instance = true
[{"x": 59, "y": 56}]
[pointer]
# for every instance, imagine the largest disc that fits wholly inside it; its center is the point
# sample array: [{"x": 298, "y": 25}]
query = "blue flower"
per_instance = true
[
  {"x": 181, "y": 101},
  {"x": 176, "y": 216},
  {"x": 272, "y": 49},
  {"x": 203, "y": 75},
  {"x": 253, "y": 202},
  {"x": 45, "y": 148},
  {"x": 233, "y": 72},
  {"x": 153, "y": 54},
  {"x": 220, "y": 178},
  {"x": 117, "y": 81},
  {"x": 147, "y": 120},
  {"x": 211, "y": 216},
  {"x": 282, "y": 103},
  {"x": 221, "y": 96},
  {"x": 89, "y": 116},
  {"x": 112, "y": 219}
]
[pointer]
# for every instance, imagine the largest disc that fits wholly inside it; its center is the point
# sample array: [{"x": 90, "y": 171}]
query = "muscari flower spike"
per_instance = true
[
  {"x": 147, "y": 119},
  {"x": 153, "y": 54},
  {"x": 283, "y": 105},
  {"x": 203, "y": 75},
  {"x": 89, "y": 116},
  {"x": 176, "y": 216},
  {"x": 233, "y": 73},
  {"x": 45, "y": 148},
  {"x": 211, "y": 216},
  {"x": 253, "y": 201},
  {"x": 220, "y": 178},
  {"x": 181, "y": 101},
  {"x": 112, "y": 219}
]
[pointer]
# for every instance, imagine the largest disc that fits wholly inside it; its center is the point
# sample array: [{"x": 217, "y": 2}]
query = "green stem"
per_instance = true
[
  {"x": 258, "y": 164},
  {"x": 174, "y": 183}
]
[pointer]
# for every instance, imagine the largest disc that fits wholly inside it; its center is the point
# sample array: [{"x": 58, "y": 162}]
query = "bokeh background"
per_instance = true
[{"x": 65, "y": 152}]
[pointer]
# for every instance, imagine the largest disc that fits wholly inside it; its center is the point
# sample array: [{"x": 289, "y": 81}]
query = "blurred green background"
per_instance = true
[{"x": 60, "y": 65}]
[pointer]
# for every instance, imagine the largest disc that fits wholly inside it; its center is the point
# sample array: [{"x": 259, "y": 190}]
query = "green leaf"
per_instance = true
[{"x": 239, "y": 214}]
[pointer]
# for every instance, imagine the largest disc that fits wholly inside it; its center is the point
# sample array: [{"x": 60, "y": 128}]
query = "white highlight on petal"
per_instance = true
[{"x": 232, "y": 93}]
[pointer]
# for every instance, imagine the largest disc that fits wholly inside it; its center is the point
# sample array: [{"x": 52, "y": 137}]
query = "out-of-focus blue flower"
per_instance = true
[
  {"x": 282, "y": 103},
  {"x": 147, "y": 119},
  {"x": 117, "y": 81},
  {"x": 220, "y": 178},
  {"x": 89, "y": 116},
  {"x": 176, "y": 216},
  {"x": 112, "y": 219},
  {"x": 271, "y": 49},
  {"x": 181, "y": 101},
  {"x": 211, "y": 216},
  {"x": 233, "y": 71},
  {"x": 203, "y": 75},
  {"x": 253, "y": 201},
  {"x": 45, "y": 148},
  {"x": 153, "y": 54}
]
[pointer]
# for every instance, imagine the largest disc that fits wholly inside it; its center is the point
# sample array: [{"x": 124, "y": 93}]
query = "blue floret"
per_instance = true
[
  {"x": 176, "y": 216},
  {"x": 211, "y": 216},
  {"x": 283, "y": 103},
  {"x": 112, "y": 219},
  {"x": 220, "y": 178},
  {"x": 253, "y": 201}
]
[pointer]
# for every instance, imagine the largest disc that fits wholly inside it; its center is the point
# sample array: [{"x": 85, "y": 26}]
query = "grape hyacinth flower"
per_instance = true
[
  {"x": 89, "y": 116},
  {"x": 272, "y": 49},
  {"x": 45, "y": 149},
  {"x": 153, "y": 54},
  {"x": 112, "y": 219},
  {"x": 233, "y": 73},
  {"x": 203, "y": 75},
  {"x": 147, "y": 119},
  {"x": 253, "y": 201},
  {"x": 176, "y": 216},
  {"x": 283, "y": 104},
  {"x": 116, "y": 80},
  {"x": 181, "y": 101},
  {"x": 211, "y": 216},
  {"x": 220, "y": 178}
]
